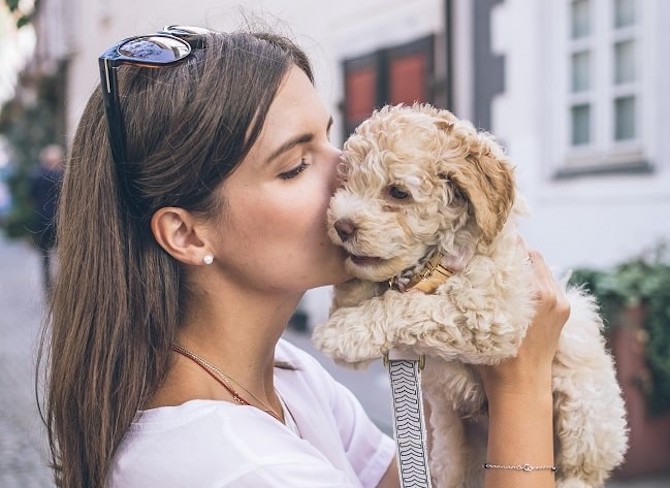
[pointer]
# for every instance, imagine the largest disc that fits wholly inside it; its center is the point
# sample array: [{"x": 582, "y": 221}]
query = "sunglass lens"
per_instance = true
[{"x": 155, "y": 49}]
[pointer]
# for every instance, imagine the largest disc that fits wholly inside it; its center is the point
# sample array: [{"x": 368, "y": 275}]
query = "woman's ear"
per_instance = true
[{"x": 178, "y": 232}]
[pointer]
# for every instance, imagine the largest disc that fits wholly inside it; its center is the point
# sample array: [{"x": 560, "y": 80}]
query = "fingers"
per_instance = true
[
  {"x": 548, "y": 294},
  {"x": 544, "y": 279}
]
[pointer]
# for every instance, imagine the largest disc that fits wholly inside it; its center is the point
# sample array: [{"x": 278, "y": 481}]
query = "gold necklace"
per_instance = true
[{"x": 225, "y": 380}]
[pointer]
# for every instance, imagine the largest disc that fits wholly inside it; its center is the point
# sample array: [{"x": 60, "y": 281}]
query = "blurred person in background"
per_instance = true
[
  {"x": 45, "y": 185},
  {"x": 5, "y": 198}
]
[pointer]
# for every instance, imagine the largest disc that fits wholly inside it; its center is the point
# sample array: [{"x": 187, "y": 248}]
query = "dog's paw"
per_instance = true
[{"x": 353, "y": 346}]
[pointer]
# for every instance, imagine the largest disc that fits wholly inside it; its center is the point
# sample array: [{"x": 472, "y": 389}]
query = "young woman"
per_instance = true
[{"x": 192, "y": 220}]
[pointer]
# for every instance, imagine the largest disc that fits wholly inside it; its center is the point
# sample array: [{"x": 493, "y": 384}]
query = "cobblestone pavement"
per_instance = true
[
  {"x": 23, "y": 459},
  {"x": 23, "y": 451}
]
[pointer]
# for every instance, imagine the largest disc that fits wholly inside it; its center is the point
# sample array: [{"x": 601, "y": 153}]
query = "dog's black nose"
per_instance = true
[{"x": 345, "y": 229}]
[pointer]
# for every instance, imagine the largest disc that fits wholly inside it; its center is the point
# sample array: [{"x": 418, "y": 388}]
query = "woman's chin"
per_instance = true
[{"x": 335, "y": 272}]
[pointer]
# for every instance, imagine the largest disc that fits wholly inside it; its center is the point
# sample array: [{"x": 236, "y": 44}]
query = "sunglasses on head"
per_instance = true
[{"x": 172, "y": 45}]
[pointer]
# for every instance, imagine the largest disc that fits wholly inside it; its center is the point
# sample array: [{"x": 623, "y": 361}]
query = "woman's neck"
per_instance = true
[{"x": 238, "y": 334}]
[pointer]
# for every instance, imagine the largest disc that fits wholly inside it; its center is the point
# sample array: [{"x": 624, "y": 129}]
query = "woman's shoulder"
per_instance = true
[
  {"x": 199, "y": 443},
  {"x": 296, "y": 367}
]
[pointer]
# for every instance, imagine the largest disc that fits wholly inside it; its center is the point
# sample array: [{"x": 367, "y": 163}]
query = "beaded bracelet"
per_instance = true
[{"x": 528, "y": 468}]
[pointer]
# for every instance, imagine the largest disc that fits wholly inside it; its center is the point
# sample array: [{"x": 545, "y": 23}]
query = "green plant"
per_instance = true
[{"x": 642, "y": 281}]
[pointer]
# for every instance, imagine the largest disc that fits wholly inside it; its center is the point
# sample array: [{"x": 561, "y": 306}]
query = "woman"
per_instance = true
[{"x": 191, "y": 222}]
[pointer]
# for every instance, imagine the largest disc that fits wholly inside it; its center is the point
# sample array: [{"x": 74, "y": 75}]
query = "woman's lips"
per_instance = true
[{"x": 365, "y": 260}]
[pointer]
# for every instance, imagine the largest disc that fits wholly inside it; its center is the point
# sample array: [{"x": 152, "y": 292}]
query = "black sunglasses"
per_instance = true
[{"x": 172, "y": 45}]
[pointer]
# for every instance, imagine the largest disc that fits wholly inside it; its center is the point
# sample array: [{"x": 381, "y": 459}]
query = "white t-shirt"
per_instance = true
[{"x": 216, "y": 444}]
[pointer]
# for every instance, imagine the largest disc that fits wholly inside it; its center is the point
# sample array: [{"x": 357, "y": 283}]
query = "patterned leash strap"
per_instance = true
[{"x": 408, "y": 418}]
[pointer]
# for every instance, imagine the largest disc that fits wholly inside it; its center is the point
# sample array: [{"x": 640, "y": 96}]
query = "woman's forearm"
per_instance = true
[
  {"x": 519, "y": 395},
  {"x": 520, "y": 432}
]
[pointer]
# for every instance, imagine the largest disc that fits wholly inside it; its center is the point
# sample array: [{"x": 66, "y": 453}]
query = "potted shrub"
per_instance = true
[{"x": 635, "y": 303}]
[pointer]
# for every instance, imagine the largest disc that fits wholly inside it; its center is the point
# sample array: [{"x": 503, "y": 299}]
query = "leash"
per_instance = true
[{"x": 409, "y": 424}]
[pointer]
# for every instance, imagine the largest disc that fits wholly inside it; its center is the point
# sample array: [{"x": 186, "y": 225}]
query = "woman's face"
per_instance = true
[{"x": 272, "y": 234}]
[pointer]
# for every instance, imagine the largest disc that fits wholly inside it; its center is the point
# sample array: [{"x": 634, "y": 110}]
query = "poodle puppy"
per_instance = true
[{"x": 429, "y": 204}]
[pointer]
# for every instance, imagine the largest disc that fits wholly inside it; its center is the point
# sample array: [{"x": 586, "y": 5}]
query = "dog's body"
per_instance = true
[{"x": 417, "y": 182}]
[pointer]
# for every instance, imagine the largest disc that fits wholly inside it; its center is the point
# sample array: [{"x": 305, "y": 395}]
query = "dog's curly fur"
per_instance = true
[{"x": 418, "y": 180}]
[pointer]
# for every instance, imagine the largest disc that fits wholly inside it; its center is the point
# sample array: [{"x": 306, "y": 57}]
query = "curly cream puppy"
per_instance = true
[{"x": 423, "y": 188}]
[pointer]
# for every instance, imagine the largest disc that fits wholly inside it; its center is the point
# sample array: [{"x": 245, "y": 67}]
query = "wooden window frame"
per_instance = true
[
  {"x": 380, "y": 61},
  {"x": 603, "y": 154}
]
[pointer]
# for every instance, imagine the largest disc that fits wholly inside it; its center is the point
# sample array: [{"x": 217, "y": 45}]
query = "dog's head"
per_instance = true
[{"x": 416, "y": 179}]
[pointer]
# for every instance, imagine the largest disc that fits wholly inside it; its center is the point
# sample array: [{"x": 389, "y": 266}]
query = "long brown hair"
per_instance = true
[{"x": 118, "y": 296}]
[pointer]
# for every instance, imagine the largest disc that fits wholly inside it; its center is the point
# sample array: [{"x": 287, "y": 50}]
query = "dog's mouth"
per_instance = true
[{"x": 365, "y": 260}]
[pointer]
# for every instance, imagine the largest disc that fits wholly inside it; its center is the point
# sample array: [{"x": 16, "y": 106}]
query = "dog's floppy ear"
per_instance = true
[
  {"x": 486, "y": 179},
  {"x": 445, "y": 126}
]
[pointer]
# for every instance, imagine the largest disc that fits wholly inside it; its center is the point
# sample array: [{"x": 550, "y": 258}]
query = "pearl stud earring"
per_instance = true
[{"x": 208, "y": 259}]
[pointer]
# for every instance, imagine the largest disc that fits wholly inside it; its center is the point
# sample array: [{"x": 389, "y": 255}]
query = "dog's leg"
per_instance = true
[
  {"x": 447, "y": 448},
  {"x": 458, "y": 423},
  {"x": 426, "y": 324},
  {"x": 590, "y": 414},
  {"x": 446, "y": 434},
  {"x": 356, "y": 334}
]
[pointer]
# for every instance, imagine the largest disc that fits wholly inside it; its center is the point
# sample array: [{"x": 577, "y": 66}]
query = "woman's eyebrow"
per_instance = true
[
  {"x": 290, "y": 144},
  {"x": 295, "y": 141}
]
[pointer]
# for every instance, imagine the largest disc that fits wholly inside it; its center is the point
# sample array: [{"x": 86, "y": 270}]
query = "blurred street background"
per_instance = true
[{"x": 574, "y": 89}]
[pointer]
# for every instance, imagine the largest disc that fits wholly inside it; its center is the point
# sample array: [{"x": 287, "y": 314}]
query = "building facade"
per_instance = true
[{"x": 573, "y": 88}]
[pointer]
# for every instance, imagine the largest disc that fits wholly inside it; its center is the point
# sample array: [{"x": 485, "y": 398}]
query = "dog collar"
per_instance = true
[{"x": 434, "y": 273}]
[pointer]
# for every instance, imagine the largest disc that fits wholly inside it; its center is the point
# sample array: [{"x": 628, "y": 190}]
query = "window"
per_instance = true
[
  {"x": 602, "y": 109},
  {"x": 400, "y": 74}
]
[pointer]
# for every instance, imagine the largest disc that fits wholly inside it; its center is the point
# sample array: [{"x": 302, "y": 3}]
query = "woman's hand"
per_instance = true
[
  {"x": 530, "y": 370},
  {"x": 519, "y": 393}
]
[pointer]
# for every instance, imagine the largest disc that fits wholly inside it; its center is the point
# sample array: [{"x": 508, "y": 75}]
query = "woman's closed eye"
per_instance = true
[{"x": 292, "y": 173}]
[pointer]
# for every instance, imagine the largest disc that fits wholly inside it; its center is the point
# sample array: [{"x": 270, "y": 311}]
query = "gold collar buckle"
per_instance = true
[{"x": 434, "y": 273}]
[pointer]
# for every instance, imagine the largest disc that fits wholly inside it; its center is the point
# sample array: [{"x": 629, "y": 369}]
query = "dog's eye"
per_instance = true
[{"x": 398, "y": 193}]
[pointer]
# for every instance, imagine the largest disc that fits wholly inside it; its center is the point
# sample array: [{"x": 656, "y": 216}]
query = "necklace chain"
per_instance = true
[{"x": 225, "y": 380}]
